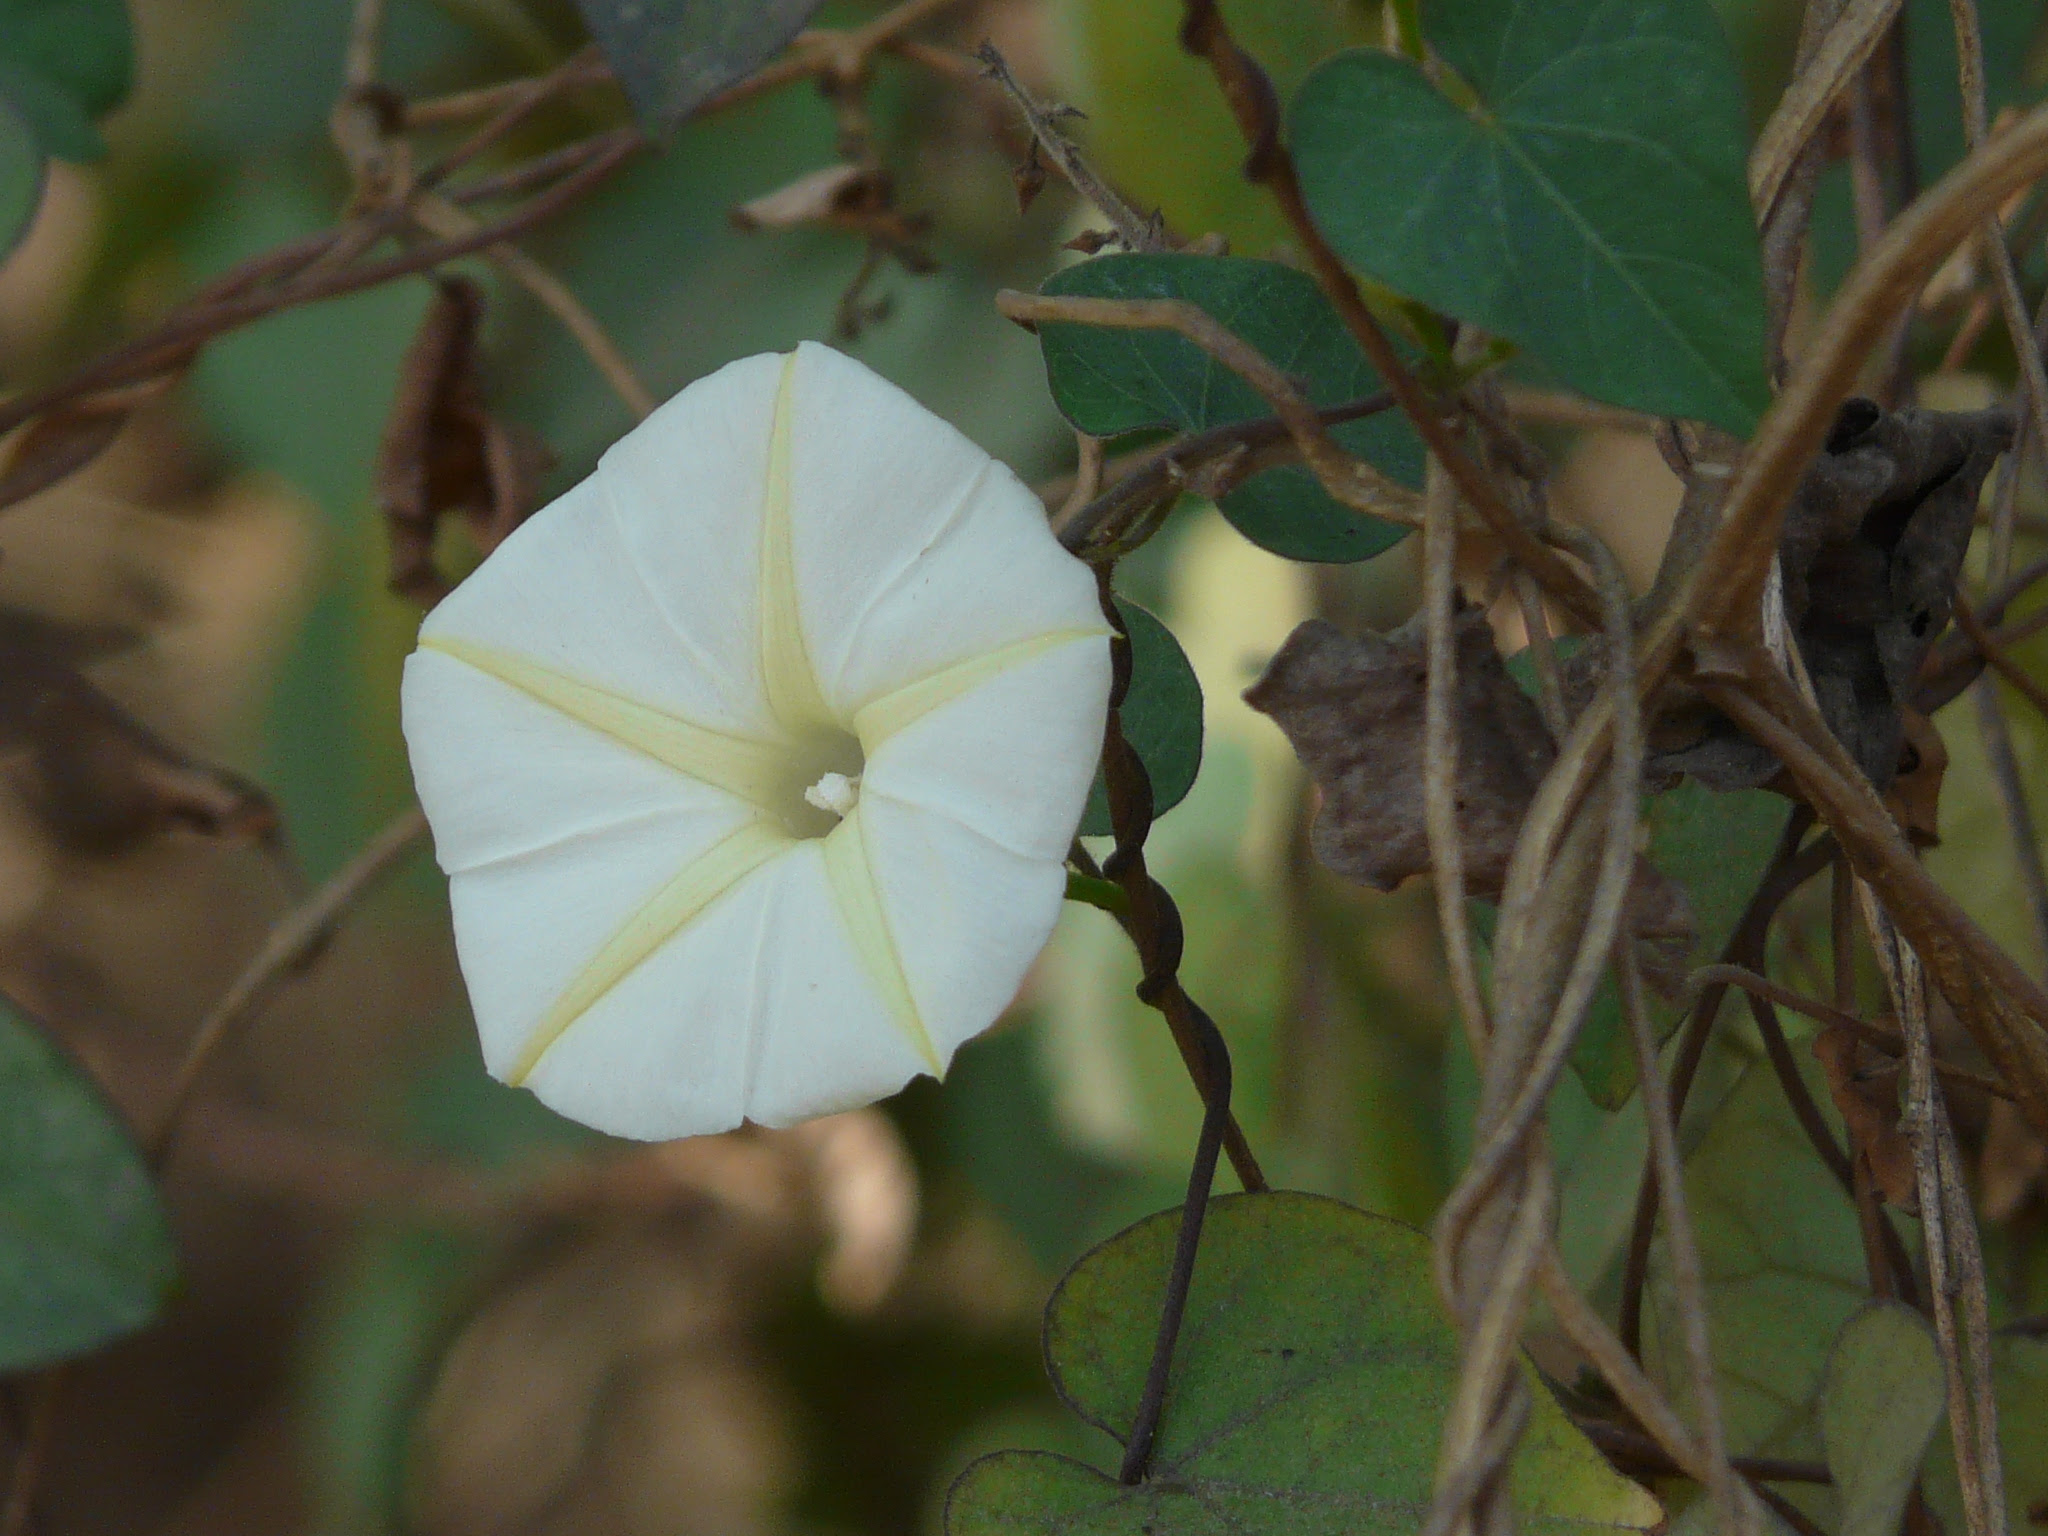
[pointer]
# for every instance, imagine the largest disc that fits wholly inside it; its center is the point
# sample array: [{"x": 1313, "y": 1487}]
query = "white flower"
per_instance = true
[{"x": 754, "y": 760}]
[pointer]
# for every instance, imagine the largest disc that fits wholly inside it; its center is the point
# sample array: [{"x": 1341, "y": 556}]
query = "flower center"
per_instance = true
[
  {"x": 835, "y": 792},
  {"x": 823, "y": 784}
]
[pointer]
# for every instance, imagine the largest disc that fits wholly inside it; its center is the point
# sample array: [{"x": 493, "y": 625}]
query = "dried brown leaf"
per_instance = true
[
  {"x": 2013, "y": 1168},
  {"x": 1864, "y": 1083},
  {"x": 443, "y": 453},
  {"x": 1915, "y": 795},
  {"x": 1029, "y": 178},
  {"x": 68, "y": 437},
  {"x": 1353, "y": 710},
  {"x": 1872, "y": 547},
  {"x": 99, "y": 777},
  {"x": 810, "y": 199},
  {"x": 855, "y": 199}
]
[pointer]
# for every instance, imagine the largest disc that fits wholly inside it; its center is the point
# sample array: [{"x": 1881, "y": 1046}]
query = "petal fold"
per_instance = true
[
  {"x": 567, "y": 593},
  {"x": 828, "y": 1039},
  {"x": 973, "y": 914},
  {"x": 502, "y": 774},
  {"x": 912, "y": 549},
  {"x": 1011, "y": 757}
]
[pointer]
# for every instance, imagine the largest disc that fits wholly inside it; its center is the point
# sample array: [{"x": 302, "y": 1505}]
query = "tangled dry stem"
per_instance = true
[{"x": 1493, "y": 1235}]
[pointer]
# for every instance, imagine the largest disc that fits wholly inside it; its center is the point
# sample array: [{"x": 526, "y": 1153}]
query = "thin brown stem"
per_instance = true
[
  {"x": 1210, "y": 464},
  {"x": 1992, "y": 995},
  {"x": 1888, "y": 1041},
  {"x": 1790, "y": 869},
  {"x": 1135, "y": 230},
  {"x": 1440, "y": 753},
  {"x": 1349, "y": 480},
  {"x": 1687, "y": 1274},
  {"x": 440, "y": 217},
  {"x": 291, "y": 943}
]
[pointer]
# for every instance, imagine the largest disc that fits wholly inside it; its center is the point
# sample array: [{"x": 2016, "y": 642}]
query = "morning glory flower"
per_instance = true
[{"x": 754, "y": 760}]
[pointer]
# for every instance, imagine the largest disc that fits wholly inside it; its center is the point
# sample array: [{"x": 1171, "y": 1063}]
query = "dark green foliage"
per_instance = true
[
  {"x": 672, "y": 54},
  {"x": 1577, "y": 188},
  {"x": 1312, "y": 1376},
  {"x": 1108, "y": 382},
  {"x": 1161, "y": 717},
  {"x": 85, "y": 1256}
]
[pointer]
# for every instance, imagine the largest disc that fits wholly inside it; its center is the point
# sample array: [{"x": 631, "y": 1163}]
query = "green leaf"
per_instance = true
[
  {"x": 671, "y": 55},
  {"x": 1580, "y": 191},
  {"x": 21, "y": 176},
  {"x": 1161, "y": 716},
  {"x": 1313, "y": 1372},
  {"x": 1783, "y": 1265},
  {"x": 1717, "y": 846},
  {"x": 85, "y": 1256},
  {"x": 1111, "y": 381},
  {"x": 1883, "y": 1395},
  {"x": 64, "y": 63}
]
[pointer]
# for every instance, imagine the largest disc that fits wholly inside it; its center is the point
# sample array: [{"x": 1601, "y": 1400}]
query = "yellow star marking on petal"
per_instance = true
[
  {"x": 787, "y": 675},
  {"x": 876, "y": 722},
  {"x": 752, "y": 770},
  {"x": 698, "y": 884},
  {"x": 852, "y": 879}
]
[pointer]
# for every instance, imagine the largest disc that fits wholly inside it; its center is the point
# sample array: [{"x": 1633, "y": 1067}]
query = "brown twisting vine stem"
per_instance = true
[{"x": 1153, "y": 922}]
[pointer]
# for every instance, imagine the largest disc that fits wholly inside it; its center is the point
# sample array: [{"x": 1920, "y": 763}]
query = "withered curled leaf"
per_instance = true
[
  {"x": 854, "y": 199},
  {"x": 1864, "y": 1084},
  {"x": 1353, "y": 710},
  {"x": 99, "y": 777},
  {"x": 443, "y": 453},
  {"x": 1872, "y": 548}
]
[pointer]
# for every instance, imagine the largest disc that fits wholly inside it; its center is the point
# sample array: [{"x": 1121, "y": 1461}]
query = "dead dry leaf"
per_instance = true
[
  {"x": 100, "y": 778},
  {"x": 2013, "y": 1168},
  {"x": 1864, "y": 1083},
  {"x": 444, "y": 454},
  {"x": 1353, "y": 710},
  {"x": 1872, "y": 548}
]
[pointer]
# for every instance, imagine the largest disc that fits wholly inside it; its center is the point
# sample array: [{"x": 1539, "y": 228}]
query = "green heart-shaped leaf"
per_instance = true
[
  {"x": 64, "y": 63},
  {"x": 1313, "y": 1371},
  {"x": 1161, "y": 717},
  {"x": 1881, "y": 1399},
  {"x": 1783, "y": 1265},
  {"x": 672, "y": 55},
  {"x": 85, "y": 1256},
  {"x": 1109, "y": 381},
  {"x": 21, "y": 176},
  {"x": 1576, "y": 187}
]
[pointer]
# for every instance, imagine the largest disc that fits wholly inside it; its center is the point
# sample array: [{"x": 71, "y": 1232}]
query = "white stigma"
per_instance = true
[{"x": 835, "y": 792}]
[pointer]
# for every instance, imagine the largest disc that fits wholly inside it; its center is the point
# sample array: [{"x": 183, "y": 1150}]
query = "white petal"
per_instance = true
[
  {"x": 570, "y": 591},
  {"x": 669, "y": 1049},
  {"x": 528, "y": 928},
  {"x": 502, "y": 774},
  {"x": 1013, "y": 757},
  {"x": 971, "y": 915},
  {"x": 830, "y": 1041},
  {"x": 913, "y": 550},
  {"x": 687, "y": 487}
]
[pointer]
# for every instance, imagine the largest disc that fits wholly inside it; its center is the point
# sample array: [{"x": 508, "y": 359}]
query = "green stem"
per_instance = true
[{"x": 1106, "y": 894}]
